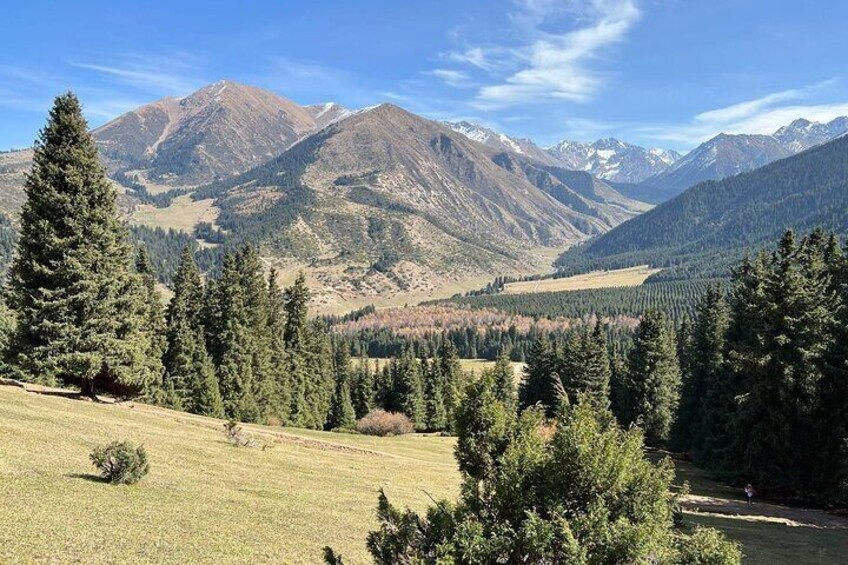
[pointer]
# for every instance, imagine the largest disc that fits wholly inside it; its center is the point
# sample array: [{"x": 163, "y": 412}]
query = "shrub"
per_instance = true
[
  {"x": 121, "y": 462},
  {"x": 236, "y": 435},
  {"x": 382, "y": 423},
  {"x": 707, "y": 546}
]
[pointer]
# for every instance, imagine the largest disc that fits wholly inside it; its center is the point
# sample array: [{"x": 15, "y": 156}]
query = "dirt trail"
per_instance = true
[{"x": 763, "y": 512}]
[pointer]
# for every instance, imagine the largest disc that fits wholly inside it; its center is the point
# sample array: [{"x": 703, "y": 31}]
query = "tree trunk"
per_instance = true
[{"x": 87, "y": 389}]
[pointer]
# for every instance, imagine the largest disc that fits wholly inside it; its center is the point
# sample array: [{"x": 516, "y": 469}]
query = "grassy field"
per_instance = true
[
  {"x": 182, "y": 215},
  {"x": 206, "y": 501},
  {"x": 632, "y": 276}
]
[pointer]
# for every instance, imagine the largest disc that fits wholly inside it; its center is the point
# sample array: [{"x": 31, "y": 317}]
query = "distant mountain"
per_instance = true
[
  {"x": 502, "y": 142},
  {"x": 386, "y": 202},
  {"x": 613, "y": 160},
  {"x": 325, "y": 114},
  {"x": 702, "y": 230},
  {"x": 726, "y": 155},
  {"x": 220, "y": 130}
]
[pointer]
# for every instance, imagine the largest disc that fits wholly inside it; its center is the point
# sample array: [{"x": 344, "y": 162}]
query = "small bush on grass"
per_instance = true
[
  {"x": 121, "y": 462},
  {"x": 382, "y": 423},
  {"x": 237, "y": 436}
]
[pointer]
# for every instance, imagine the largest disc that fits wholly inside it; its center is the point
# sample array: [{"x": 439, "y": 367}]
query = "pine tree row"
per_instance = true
[{"x": 765, "y": 396}]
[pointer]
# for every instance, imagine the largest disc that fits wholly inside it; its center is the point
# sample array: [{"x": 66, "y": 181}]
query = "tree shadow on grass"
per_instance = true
[{"x": 87, "y": 477}]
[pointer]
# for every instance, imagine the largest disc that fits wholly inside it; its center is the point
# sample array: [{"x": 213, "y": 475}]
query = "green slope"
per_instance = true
[{"x": 705, "y": 229}]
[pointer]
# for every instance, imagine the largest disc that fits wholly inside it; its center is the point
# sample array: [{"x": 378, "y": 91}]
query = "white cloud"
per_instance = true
[
  {"x": 552, "y": 66},
  {"x": 172, "y": 75},
  {"x": 762, "y": 115},
  {"x": 489, "y": 59},
  {"x": 457, "y": 79}
]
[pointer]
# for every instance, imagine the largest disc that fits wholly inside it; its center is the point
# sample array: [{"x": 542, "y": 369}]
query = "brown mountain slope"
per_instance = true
[
  {"x": 220, "y": 130},
  {"x": 385, "y": 202}
]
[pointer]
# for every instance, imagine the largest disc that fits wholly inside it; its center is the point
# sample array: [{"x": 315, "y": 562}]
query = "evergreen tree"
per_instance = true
[
  {"x": 591, "y": 378},
  {"x": 503, "y": 376},
  {"x": 204, "y": 395},
  {"x": 234, "y": 347},
  {"x": 153, "y": 311},
  {"x": 83, "y": 318},
  {"x": 584, "y": 495},
  {"x": 434, "y": 397},
  {"x": 777, "y": 417},
  {"x": 832, "y": 417},
  {"x": 255, "y": 299},
  {"x": 408, "y": 390},
  {"x": 279, "y": 385},
  {"x": 296, "y": 308},
  {"x": 342, "y": 414},
  {"x": 707, "y": 401},
  {"x": 362, "y": 389},
  {"x": 453, "y": 378},
  {"x": 653, "y": 378},
  {"x": 190, "y": 373},
  {"x": 541, "y": 383}
]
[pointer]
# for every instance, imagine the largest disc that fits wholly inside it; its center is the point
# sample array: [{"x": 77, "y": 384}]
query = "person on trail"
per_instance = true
[{"x": 749, "y": 492}]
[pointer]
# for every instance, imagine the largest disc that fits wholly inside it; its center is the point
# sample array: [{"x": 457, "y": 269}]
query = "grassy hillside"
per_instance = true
[
  {"x": 633, "y": 276},
  {"x": 206, "y": 501}
]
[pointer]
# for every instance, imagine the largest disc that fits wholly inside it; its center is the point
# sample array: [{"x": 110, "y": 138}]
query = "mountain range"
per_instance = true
[
  {"x": 726, "y": 155},
  {"x": 221, "y": 129},
  {"x": 373, "y": 203},
  {"x": 384, "y": 202},
  {"x": 609, "y": 159},
  {"x": 656, "y": 175},
  {"x": 711, "y": 225},
  {"x": 378, "y": 203}
]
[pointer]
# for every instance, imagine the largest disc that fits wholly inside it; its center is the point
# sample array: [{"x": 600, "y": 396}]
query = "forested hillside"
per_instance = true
[{"x": 702, "y": 231}]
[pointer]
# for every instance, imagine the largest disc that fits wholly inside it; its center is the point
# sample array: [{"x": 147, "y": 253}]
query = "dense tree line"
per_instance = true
[
  {"x": 766, "y": 373},
  {"x": 639, "y": 382},
  {"x": 165, "y": 248},
  {"x": 677, "y": 298},
  {"x": 473, "y": 342}
]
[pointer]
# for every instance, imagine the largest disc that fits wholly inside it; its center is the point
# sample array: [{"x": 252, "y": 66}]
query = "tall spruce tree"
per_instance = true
[
  {"x": 541, "y": 382},
  {"x": 189, "y": 370},
  {"x": 653, "y": 378},
  {"x": 591, "y": 378},
  {"x": 832, "y": 414},
  {"x": 408, "y": 390},
  {"x": 453, "y": 378},
  {"x": 152, "y": 309},
  {"x": 790, "y": 339},
  {"x": 234, "y": 347},
  {"x": 296, "y": 307},
  {"x": 503, "y": 376},
  {"x": 707, "y": 397},
  {"x": 81, "y": 309},
  {"x": 362, "y": 389},
  {"x": 280, "y": 404},
  {"x": 342, "y": 414},
  {"x": 434, "y": 397},
  {"x": 254, "y": 291}
]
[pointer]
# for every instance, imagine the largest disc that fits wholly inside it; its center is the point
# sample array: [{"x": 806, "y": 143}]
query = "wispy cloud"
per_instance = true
[
  {"x": 457, "y": 79},
  {"x": 548, "y": 65},
  {"x": 763, "y": 115},
  {"x": 176, "y": 75}
]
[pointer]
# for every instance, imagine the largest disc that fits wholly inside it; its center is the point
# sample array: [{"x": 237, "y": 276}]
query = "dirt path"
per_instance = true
[{"x": 762, "y": 512}]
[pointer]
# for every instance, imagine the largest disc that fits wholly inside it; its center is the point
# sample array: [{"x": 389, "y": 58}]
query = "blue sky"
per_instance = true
[{"x": 668, "y": 73}]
